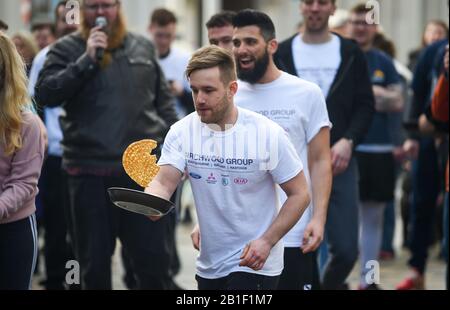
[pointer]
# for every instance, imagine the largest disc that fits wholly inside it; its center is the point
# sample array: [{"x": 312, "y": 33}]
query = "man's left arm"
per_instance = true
[
  {"x": 319, "y": 162},
  {"x": 360, "y": 118},
  {"x": 389, "y": 99},
  {"x": 256, "y": 252},
  {"x": 363, "y": 109}
]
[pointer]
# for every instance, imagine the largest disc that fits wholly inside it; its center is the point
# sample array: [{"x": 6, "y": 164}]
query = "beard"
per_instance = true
[
  {"x": 219, "y": 113},
  {"x": 252, "y": 76},
  {"x": 116, "y": 36}
]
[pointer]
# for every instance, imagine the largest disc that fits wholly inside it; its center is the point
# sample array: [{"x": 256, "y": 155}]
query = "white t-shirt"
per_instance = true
[
  {"x": 174, "y": 66},
  {"x": 233, "y": 175},
  {"x": 52, "y": 115},
  {"x": 299, "y": 107},
  {"x": 317, "y": 63}
]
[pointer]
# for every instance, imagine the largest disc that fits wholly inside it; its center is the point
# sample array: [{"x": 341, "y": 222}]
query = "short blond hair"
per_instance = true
[{"x": 211, "y": 57}]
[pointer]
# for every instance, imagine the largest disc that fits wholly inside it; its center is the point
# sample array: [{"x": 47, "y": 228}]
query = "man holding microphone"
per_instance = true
[{"x": 113, "y": 93}]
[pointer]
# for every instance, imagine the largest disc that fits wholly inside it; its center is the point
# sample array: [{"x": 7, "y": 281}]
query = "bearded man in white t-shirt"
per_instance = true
[
  {"x": 299, "y": 107},
  {"x": 234, "y": 159}
]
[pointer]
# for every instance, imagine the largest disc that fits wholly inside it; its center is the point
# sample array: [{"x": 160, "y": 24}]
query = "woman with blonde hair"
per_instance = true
[{"x": 21, "y": 157}]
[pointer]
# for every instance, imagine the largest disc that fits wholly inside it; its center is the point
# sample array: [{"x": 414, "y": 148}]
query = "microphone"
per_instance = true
[{"x": 100, "y": 22}]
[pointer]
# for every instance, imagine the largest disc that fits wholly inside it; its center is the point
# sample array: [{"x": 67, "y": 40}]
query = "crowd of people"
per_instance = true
[{"x": 293, "y": 149}]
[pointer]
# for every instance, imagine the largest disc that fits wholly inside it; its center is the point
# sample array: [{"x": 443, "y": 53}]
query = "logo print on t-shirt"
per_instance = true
[
  {"x": 225, "y": 181},
  {"x": 211, "y": 179},
  {"x": 240, "y": 181},
  {"x": 378, "y": 77},
  {"x": 195, "y": 176}
]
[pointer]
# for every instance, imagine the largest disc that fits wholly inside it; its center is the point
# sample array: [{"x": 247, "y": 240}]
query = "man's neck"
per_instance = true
[
  {"x": 164, "y": 54},
  {"x": 321, "y": 37},
  {"x": 272, "y": 74},
  {"x": 230, "y": 120}
]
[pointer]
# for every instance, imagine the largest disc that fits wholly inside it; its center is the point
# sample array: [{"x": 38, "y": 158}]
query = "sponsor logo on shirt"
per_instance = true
[
  {"x": 240, "y": 181},
  {"x": 221, "y": 160},
  {"x": 211, "y": 179},
  {"x": 195, "y": 176},
  {"x": 279, "y": 112},
  {"x": 225, "y": 180}
]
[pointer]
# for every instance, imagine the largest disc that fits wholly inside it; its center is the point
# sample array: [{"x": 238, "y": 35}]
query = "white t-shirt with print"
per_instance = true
[
  {"x": 317, "y": 63},
  {"x": 299, "y": 107},
  {"x": 233, "y": 174},
  {"x": 174, "y": 66}
]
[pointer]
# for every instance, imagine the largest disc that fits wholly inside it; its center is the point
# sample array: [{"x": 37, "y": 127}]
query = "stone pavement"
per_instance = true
[{"x": 391, "y": 271}]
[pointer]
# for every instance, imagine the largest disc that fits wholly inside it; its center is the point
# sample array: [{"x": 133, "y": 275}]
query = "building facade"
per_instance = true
[{"x": 402, "y": 20}]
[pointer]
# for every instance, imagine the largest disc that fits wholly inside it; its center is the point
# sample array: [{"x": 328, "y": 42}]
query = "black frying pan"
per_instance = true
[{"x": 140, "y": 202}]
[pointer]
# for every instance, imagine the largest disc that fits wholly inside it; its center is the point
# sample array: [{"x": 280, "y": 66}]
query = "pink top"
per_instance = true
[{"x": 19, "y": 173}]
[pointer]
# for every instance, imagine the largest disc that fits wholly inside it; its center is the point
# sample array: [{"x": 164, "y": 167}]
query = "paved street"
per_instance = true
[{"x": 391, "y": 272}]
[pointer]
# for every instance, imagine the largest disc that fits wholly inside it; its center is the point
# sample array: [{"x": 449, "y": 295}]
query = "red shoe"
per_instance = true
[{"x": 412, "y": 283}]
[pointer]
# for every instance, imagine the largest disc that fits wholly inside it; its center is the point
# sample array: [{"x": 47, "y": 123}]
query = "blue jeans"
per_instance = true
[
  {"x": 342, "y": 228},
  {"x": 388, "y": 228},
  {"x": 426, "y": 186},
  {"x": 323, "y": 255}
]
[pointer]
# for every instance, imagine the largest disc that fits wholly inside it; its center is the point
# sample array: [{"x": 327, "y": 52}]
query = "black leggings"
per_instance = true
[
  {"x": 240, "y": 281},
  {"x": 18, "y": 254}
]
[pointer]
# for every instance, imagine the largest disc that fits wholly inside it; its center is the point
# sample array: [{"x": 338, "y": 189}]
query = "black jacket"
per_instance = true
[
  {"x": 350, "y": 101},
  {"x": 105, "y": 109}
]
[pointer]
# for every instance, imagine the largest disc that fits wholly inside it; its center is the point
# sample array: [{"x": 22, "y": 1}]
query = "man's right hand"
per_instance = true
[
  {"x": 341, "y": 154},
  {"x": 97, "y": 39},
  {"x": 195, "y": 236}
]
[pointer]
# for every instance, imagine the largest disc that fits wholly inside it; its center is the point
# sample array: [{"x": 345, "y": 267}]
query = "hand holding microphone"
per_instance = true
[{"x": 98, "y": 40}]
